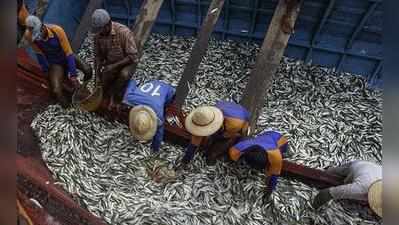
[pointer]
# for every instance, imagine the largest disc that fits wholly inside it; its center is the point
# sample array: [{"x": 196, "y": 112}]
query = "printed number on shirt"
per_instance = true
[{"x": 149, "y": 87}]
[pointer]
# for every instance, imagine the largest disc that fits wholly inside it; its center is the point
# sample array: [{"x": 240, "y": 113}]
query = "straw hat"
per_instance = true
[
  {"x": 375, "y": 197},
  {"x": 143, "y": 122},
  {"x": 204, "y": 121}
]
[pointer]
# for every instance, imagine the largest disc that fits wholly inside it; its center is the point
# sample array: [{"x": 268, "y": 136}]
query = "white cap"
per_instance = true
[
  {"x": 99, "y": 19},
  {"x": 36, "y": 25}
]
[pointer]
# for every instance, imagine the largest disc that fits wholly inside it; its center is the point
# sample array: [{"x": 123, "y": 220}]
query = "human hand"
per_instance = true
[
  {"x": 108, "y": 69},
  {"x": 74, "y": 81}
]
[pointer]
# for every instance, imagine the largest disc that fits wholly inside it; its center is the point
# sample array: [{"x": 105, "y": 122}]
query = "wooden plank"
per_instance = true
[
  {"x": 198, "y": 52},
  {"x": 269, "y": 57},
  {"x": 310, "y": 176},
  {"x": 145, "y": 20},
  {"x": 85, "y": 24}
]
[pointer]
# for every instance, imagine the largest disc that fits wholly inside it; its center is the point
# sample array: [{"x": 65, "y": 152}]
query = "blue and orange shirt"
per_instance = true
[
  {"x": 154, "y": 94},
  {"x": 273, "y": 143},
  {"x": 236, "y": 118},
  {"x": 54, "y": 50},
  {"x": 235, "y": 122}
]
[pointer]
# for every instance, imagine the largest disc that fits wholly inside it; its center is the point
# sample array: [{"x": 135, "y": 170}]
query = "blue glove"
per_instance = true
[
  {"x": 273, "y": 182},
  {"x": 189, "y": 153}
]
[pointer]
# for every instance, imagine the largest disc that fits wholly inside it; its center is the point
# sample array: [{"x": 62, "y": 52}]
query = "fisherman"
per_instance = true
[
  {"x": 55, "y": 56},
  {"x": 22, "y": 13},
  {"x": 264, "y": 152},
  {"x": 146, "y": 117},
  {"x": 224, "y": 123},
  {"x": 116, "y": 54},
  {"x": 363, "y": 182}
]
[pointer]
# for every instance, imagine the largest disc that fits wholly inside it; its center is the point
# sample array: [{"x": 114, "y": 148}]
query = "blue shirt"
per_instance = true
[
  {"x": 233, "y": 110},
  {"x": 273, "y": 143},
  {"x": 154, "y": 94}
]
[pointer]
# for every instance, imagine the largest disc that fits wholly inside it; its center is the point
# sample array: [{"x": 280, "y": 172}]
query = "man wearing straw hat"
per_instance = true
[
  {"x": 225, "y": 122},
  {"x": 264, "y": 152},
  {"x": 146, "y": 117},
  {"x": 363, "y": 182}
]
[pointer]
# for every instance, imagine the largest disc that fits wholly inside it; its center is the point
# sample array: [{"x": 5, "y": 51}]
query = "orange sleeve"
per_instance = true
[
  {"x": 282, "y": 141},
  {"x": 275, "y": 162},
  {"x": 234, "y": 154},
  {"x": 64, "y": 42},
  {"x": 22, "y": 15}
]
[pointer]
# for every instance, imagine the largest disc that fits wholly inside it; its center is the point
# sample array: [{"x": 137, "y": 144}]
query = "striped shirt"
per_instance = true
[{"x": 117, "y": 46}]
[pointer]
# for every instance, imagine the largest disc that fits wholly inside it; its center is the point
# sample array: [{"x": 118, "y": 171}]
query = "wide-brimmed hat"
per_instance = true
[
  {"x": 375, "y": 197},
  {"x": 204, "y": 121},
  {"x": 143, "y": 122}
]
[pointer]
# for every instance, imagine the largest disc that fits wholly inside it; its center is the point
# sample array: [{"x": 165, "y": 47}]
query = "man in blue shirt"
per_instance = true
[
  {"x": 264, "y": 152},
  {"x": 146, "y": 118}
]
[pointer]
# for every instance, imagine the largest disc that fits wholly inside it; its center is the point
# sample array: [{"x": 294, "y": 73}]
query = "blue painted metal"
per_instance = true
[
  {"x": 341, "y": 34},
  {"x": 319, "y": 28}
]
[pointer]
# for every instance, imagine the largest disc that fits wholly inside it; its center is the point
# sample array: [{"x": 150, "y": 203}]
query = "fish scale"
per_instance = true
[{"x": 329, "y": 117}]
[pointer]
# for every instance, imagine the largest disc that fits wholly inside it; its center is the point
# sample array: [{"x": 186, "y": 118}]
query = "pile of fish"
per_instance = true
[{"x": 330, "y": 119}]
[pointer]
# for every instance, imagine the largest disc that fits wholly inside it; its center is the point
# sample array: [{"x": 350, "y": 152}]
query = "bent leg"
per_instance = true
[
  {"x": 352, "y": 191},
  {"x": 121, "y": 83},
  {"x": 56, "y": 77}
]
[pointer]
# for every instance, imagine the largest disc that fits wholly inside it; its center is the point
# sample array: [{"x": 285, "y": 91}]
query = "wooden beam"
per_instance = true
[
  {"x": 198, "y": 51},
  {"x": 269, "y": 57},
  {"x": 310, "y": 176},
  {"x": 145, "y": 20},
  {"x": 85, "y": 23}
]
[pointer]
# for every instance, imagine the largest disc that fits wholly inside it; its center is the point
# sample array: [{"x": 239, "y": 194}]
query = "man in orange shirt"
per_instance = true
[{"x": 55, "y": 56}]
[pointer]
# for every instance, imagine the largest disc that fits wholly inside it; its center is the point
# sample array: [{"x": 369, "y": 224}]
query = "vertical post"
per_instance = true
[
  {"x": 199, "y": 50},
  {"x": 85, "y": 24},
  {"x": 145, "y": 20},
  {"x": 269, "y": 57}
]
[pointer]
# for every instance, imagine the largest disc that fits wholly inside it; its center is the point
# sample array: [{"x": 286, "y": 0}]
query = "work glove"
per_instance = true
[
  {"x": 189, "y": 155},
  {"x": 268, "y": 194},
  {"x": 155, "y": 145},
  {"x": 321, "y": 198},
  {"x": 74, "y": 81}
]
